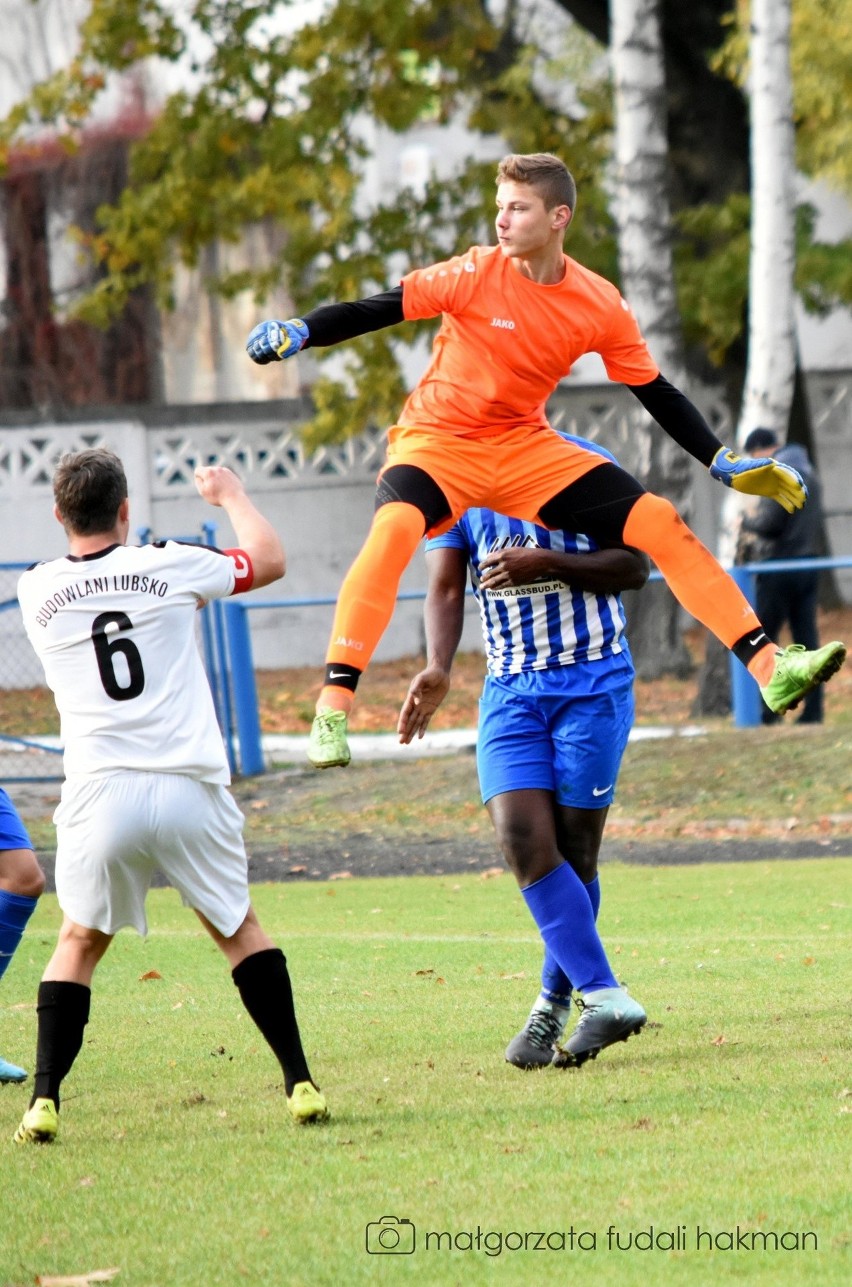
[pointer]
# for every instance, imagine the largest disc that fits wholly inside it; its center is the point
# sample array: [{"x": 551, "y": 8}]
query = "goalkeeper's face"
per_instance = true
[{"x": 525, "y": 225}]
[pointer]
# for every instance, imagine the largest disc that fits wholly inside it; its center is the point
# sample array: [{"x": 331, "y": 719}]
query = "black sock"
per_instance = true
[
  {"x": 264, "y": 985},
  {"x": 749, "y": 645},
  {"x": 63, "y": 1012}
]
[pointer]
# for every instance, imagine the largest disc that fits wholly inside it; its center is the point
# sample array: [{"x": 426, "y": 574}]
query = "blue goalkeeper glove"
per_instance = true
[
  {"x": 761, "y": 477},
  {"x": 274, "y": 341}
]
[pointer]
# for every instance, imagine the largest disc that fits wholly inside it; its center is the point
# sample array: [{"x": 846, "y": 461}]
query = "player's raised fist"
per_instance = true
[
  {"x": 217, "y": 484},
  {"x": 274, "y": 341}
]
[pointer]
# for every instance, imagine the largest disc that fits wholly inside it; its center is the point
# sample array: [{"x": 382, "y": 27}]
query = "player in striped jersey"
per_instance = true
[
  {"x": 21, "y": 883},
  {"x": 554, "y": 717},
  {"x": 146, "y": 773}
]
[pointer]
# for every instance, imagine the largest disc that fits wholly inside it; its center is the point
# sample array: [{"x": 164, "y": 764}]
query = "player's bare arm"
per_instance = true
[
  {"x": 443, "y": 617},
  {"x": 255, "y": 534},
  {"x": 608, "y": 571}
]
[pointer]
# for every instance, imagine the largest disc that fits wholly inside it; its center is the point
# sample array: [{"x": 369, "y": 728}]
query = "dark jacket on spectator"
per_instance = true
[{"x": 790, "y": 536}]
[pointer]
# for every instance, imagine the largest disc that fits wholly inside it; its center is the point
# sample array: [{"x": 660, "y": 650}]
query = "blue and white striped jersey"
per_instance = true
[{"x": 546, "y": 624}]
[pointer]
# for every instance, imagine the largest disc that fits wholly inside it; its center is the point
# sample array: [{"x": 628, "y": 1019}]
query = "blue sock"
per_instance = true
[
  {"x": 555, "y": 985},
  {"x": 15, "y": 911},
  {"x": 562, "y": 910}
]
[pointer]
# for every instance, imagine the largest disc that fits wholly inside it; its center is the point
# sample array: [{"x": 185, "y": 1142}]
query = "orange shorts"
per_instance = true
[{"x": 514, "y": 471}]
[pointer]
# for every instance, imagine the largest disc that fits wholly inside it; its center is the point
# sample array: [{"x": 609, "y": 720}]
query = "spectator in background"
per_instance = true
[{"x": 769, "y": 532}]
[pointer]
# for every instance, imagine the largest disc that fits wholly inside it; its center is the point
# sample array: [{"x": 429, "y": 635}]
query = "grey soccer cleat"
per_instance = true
[
  {"x": 608, "y": 1015},
  {"x": 534, "y": 1045}
]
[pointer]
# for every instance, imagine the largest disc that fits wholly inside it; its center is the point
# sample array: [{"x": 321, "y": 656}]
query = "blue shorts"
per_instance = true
[
  {"x": 561, "y": 730},
  {"x": 13, "y": 833}
]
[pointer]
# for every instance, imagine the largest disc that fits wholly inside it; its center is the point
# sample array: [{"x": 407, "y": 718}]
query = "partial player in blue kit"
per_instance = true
[
  {"x": 21, "y": 883},
  {"x": 554, "y": 718}
]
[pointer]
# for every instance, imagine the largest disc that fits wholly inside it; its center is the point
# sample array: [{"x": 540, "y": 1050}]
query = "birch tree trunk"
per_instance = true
[
  {"x": 771, "y": 366},
  {"x": 643, "y": 219},
  {"x": 771, "y": 369}
]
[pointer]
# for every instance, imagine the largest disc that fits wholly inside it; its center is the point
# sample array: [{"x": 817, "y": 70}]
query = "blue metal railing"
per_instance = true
[
  {"x": 238, "y": 636},
  {"x": 27, "y": 743},
  {"x": 745, "y": 695},
  {"x": 228, "y": 657}
]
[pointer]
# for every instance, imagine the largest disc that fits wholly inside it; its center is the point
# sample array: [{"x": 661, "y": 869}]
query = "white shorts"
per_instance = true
[{"x": 114, "y": 832}]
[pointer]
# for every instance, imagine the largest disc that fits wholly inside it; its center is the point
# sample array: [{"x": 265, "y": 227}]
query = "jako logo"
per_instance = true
[{"x": 503, "y": 323}]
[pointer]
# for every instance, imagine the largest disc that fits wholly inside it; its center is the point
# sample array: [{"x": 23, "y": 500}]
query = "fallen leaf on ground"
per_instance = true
[{"x": 149, "y": 974}]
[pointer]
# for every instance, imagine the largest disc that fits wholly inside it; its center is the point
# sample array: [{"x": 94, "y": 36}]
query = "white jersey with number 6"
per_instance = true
[{"x": 115, "y": 633}]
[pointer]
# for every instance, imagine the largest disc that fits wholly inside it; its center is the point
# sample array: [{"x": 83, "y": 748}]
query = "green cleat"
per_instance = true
[
  {"x": 327, "y": 745},
  {"x": 39, "y": 1124},
  {"x": 797, "y": 671},
  {"x": 11, "y": 1072},
  {"x": 608, "y": 1015},
  {"x": 306, "y": 1104}
]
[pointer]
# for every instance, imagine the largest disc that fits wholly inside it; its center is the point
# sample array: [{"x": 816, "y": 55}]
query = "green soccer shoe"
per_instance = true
[
  {"x": 327, "y": 745},
  {"x": 39, "y": 1124},
  {"x": 797, "y": 671},
  {"x": 306, "y": 1104}
]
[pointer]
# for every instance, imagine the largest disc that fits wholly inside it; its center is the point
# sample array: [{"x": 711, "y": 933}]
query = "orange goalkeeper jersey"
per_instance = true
[{"x": 505, "y": 342}]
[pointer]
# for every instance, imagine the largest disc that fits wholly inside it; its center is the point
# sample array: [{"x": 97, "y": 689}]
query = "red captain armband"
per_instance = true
[{"x": 243, "y": 570}]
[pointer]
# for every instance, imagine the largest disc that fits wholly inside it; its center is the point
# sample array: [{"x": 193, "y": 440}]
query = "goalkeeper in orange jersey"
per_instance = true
[{"x": 473, "y": 432}]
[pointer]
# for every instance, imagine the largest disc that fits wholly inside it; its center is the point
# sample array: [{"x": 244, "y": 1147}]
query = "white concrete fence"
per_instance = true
[{"x": 321, "y": 502}]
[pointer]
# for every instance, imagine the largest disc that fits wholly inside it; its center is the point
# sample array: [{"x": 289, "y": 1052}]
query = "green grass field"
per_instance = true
[{"x": 176, "y": 1162}]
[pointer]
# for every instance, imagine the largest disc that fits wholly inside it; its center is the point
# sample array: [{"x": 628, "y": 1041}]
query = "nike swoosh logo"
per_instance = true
[
  {"x": 602, "y": 791},
  {"x": 757, "y": 638},
  {"x": 338, "y": 674}
]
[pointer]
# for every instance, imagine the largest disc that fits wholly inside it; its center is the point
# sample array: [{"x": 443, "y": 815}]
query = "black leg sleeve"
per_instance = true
[
  {"x": 63, "y": 1012},
  {"x": 264, "y": 984}
]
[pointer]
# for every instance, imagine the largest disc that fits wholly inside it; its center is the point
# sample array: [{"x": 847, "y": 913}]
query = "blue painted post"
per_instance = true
[
  {"x": 245, "y": 692},
  {"x": 224, "y": 678},
  {"x": 745, "y": 694}
]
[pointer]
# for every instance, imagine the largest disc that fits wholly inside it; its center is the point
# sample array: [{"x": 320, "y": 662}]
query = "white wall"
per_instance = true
[{"x": 322, "y": 504}]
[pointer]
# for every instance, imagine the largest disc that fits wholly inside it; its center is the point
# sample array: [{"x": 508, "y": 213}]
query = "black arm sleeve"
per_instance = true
[
  {"x": 332, "y": 323},
  {"x": 680, "y": 418}
]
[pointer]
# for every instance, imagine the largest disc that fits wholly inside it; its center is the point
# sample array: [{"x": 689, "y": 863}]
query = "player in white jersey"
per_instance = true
[
  {"x": 21, "y": 883},
  {"x": 554, "y": 718},
  {"x": 146, "y": 771}
]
